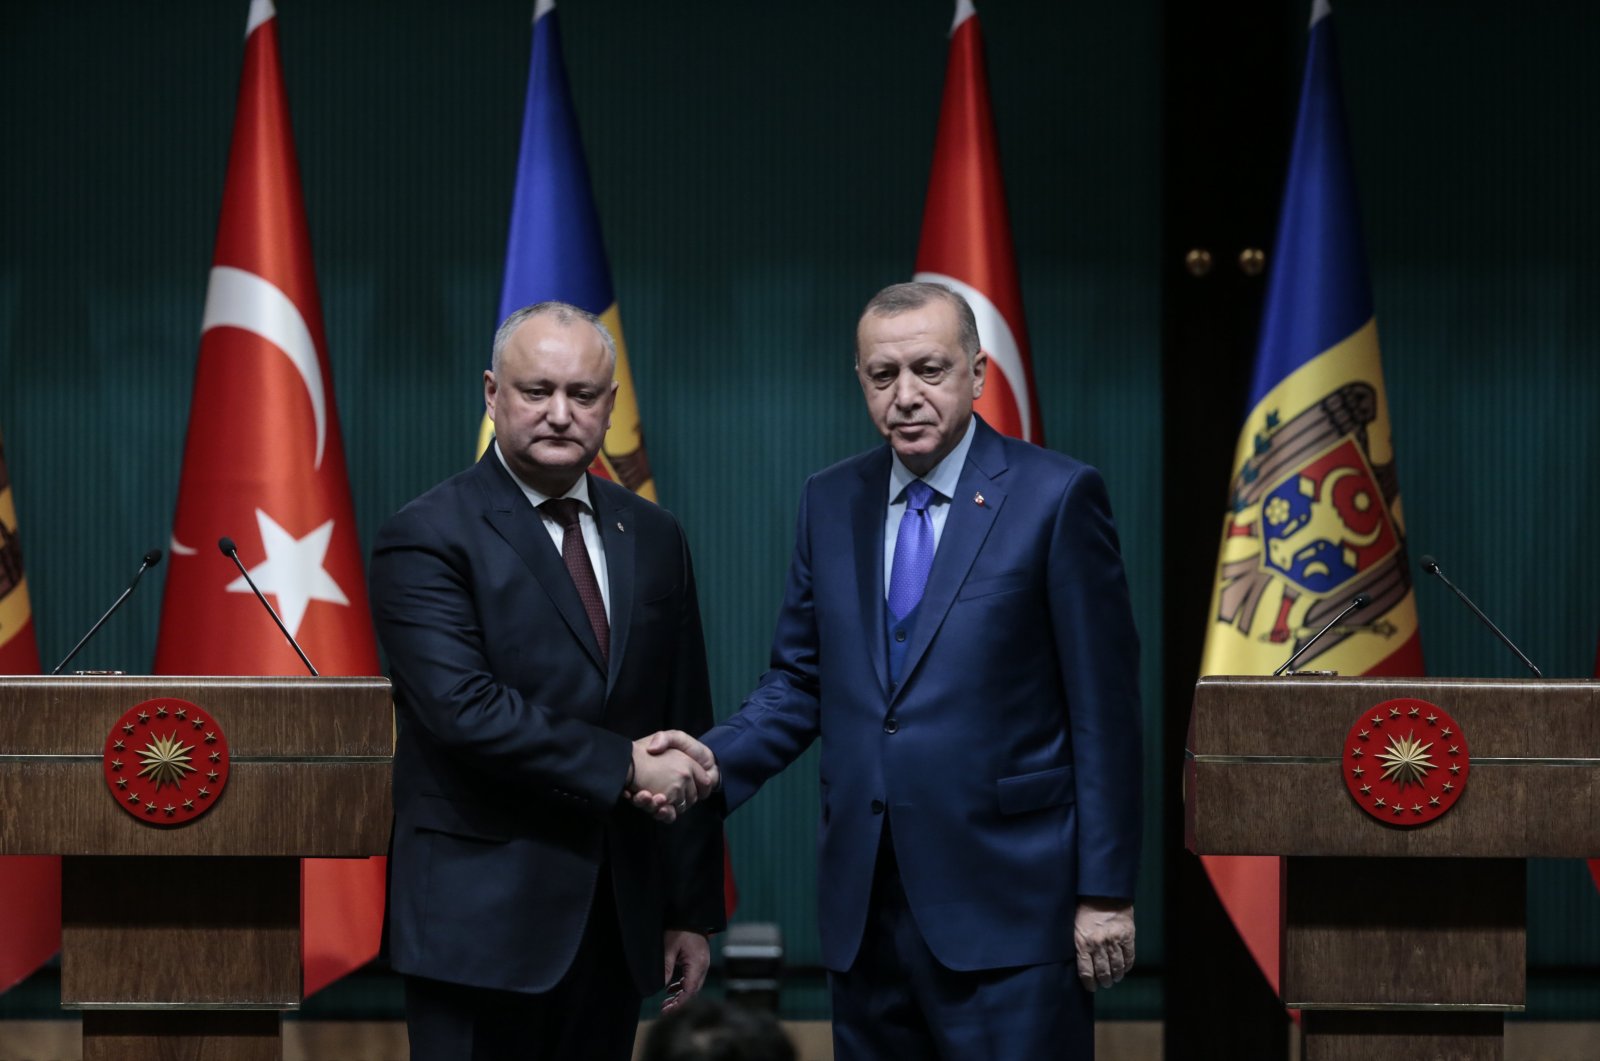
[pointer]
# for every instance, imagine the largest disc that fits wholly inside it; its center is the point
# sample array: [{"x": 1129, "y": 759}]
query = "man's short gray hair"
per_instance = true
[
  {"x": 564, "y": 313},
  {"x": 900, "y": 298}
]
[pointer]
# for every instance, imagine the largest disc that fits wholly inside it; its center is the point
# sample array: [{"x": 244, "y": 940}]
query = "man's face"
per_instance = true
[
  {"x": 551, "y": 401},
  {"x": 917, "y": 380}
]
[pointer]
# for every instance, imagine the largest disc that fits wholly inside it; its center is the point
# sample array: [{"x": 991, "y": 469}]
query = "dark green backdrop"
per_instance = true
[{"x": 759, "y": 171}]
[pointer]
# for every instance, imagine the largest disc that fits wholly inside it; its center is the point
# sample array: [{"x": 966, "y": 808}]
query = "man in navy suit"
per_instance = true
[
  {"x": 957, "y": 632},
  {"x": 540, "y": 624}
]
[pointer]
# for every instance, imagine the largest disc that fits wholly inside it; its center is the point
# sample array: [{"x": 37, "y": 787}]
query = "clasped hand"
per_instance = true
[{"x": 671, "y": 772}]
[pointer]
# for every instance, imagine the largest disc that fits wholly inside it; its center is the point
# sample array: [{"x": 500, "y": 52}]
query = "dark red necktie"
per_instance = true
[{"x": 565, "y": 510}]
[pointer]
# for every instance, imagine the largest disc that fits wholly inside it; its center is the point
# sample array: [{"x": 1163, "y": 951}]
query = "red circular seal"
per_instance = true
[
  {"x": 166, "y": 761},
  {"x": 1405, "y": 761}
]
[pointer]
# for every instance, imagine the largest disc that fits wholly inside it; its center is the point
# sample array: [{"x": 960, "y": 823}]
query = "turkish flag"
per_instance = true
[
  {"x": 30, "y": 885},
  {"x": 264, "y": 464},
  {"x": 966, "y": 234}
]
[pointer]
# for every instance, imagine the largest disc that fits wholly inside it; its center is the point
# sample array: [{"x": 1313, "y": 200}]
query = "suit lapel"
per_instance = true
[
  {"x": 965, "y": 530},
  {"x": 508, "y": 512},
  {"x": 867, "y": 512},
  {"x": 617, "y": 535}
]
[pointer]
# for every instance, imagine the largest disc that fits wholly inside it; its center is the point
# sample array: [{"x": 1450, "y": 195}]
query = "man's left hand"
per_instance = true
[
  {"x": 1103, "y": 931},
  {"x": 691, "y": 950}
]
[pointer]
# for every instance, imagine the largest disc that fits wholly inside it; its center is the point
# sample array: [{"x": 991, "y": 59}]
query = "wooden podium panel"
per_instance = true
[
  {"x": 1397, "y": 942},
  {"x": 310, "y": 774},
  {"x": 183, "y": 942},
  {"x": 1262, "y": 776},
  {"x": 219, "y": 932},
  {"x": 1387, "y": 933}
]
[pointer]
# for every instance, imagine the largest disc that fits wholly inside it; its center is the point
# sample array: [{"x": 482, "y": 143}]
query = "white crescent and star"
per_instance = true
[
  {"x": 295, "y": 569},
  {"x": 237, "y": 299}
]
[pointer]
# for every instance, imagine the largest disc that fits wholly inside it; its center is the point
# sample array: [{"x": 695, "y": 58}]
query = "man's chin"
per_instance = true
[{"x": 916, "y": 455}]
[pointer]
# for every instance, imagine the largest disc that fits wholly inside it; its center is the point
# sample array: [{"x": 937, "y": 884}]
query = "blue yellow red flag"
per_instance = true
[
  {"x": 30, "y": 885},
  {"x": 1314, "y": 514},
  {"x": 555, "y": 250}
]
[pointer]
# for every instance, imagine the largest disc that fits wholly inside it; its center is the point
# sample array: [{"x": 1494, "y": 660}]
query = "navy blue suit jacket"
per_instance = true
[
  {"x": 514, "y": 740},
  {"x": 1008, "y": 756}
]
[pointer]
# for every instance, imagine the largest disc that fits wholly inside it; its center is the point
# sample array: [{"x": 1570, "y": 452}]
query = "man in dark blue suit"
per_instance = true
[
  {"x": 957, "y": 632},
  {"x": 540, "y": 624}
]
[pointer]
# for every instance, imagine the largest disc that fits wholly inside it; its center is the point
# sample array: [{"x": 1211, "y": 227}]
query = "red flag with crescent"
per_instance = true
[
  {"x": 30, "y": 885},
  {"x": 264, "y": 464},
  {"x": 966, "y": 234}
]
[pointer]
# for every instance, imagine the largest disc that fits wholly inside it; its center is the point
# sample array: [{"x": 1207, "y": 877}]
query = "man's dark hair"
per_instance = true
[
  {"x": 709, "y": 1029},
  {"x": 900, "y": 298}
]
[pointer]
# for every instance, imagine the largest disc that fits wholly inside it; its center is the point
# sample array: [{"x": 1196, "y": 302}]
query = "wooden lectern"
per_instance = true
[
  {"x": 1396, "y": 942},
  {"x": 183, "y": 941}
]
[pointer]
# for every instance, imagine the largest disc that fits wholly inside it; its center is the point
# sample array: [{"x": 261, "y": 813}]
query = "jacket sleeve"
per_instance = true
[
  {"x": 422, "y": 605},
  {"x": 1097, "y": 650}
]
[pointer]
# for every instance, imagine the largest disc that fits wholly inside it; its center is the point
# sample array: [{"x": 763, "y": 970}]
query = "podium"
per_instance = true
[
  {"x": 180, "y": 936},
  {"x": 1397, "y": 942}
]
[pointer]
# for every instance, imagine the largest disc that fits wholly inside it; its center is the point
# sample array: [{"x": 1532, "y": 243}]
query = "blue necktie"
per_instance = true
[{"x": 913, "y": 551}]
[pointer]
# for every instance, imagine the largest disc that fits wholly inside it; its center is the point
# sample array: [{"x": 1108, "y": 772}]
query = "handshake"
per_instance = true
[{"x": 671, "y": 772}]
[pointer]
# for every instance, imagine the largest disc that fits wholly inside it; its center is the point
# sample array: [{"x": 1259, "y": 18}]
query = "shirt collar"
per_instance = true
[
  {"x": 578, "y": 492},
  {"x": 945, "y": 475}
]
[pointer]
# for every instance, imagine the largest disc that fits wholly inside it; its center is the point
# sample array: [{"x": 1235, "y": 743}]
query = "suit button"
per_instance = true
[
  {"x": 891, "y": 724},
  {"x": 877, "y": 806},
  {"x": 899, "y": 635}
]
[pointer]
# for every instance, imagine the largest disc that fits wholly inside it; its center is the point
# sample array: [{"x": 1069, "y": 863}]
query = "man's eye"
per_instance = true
[{"x": 933, "y": 373}]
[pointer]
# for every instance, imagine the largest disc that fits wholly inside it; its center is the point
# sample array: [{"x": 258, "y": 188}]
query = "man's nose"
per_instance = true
[
  {"x": 559, "y": 411},
  {"x": 907, "y": 392}
]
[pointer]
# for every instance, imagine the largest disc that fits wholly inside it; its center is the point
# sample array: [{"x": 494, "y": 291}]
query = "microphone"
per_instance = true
[
  {"x": 231, "y": 551},
  {"x": 151, "y": 559},
  {"x": 1359, "y": 601},
  {"x": 1431, "y": 566}
]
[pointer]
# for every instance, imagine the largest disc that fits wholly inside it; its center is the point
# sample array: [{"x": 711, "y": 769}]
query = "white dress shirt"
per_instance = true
[
  {"x": 591, "y": 529},
  {"x": 943, "y": 478}
]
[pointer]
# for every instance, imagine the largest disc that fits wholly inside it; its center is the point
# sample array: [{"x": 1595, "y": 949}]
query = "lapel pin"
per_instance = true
[
  {"x": 978, "y": 498},
  {"x": 619, "y": 525}
]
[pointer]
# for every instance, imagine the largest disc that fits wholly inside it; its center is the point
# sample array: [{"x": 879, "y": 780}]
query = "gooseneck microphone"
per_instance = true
[
  {"x": 1359, "y": 601},
  {"x": 1431, "y": 566},
  {"x": 151, "y": 559},
  {"x": 231, "y": 551}
]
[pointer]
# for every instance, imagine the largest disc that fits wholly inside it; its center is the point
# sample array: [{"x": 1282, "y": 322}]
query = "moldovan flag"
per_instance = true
[
  {"x": 555, "y": 252},
  {"x": 30, "y": 885},
  {"x": 1314, "y": 507},
  {"x": 966, "y": 233},
  {"x": 264, "y": 464}
]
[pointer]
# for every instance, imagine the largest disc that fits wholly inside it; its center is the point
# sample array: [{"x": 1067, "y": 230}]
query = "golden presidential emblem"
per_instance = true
[{"x": 166, "y": 761}]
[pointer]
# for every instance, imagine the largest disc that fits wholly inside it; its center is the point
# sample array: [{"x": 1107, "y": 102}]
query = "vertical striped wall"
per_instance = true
[{"x": 760, "y": 170}]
